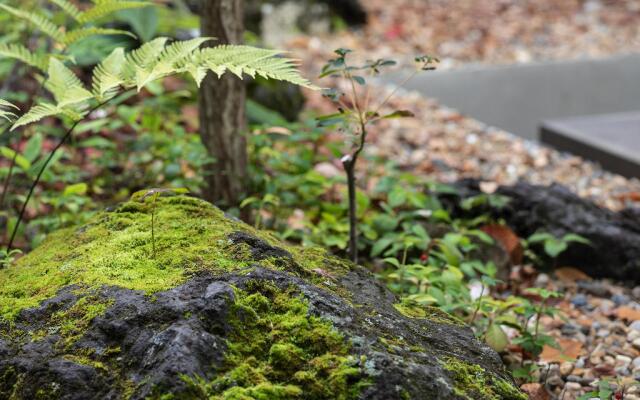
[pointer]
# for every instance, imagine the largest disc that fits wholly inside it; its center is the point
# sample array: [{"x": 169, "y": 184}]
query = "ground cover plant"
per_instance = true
[{"x": 128, "y": 124}]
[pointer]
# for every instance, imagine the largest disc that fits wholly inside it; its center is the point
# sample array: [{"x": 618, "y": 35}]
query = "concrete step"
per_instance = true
[
  {"x": 612, "y": 140},
  {"x": 517, "y": 98}
]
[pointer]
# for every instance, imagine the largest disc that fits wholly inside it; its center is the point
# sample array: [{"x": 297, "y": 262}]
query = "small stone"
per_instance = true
[
  {"x": 636, "y": 292},
  {"x": 628, "y": 396},
  {"x": 622, "y": 361},
  {"x": 573, "y": 386},
  {"x": 636, "y": 362},
  {"x": 580, "y": 363},
  {"x": 569, "y": 329},
  {"x": 633, "y": 335},
  {"x": 579, "y": 300},
  {"x": 635, "y": 325},
  {"x": 566, "y": 368},
  {"x": 636, "y": 343},
  {"x": 620, "y": 299},
  {"x": 542, "y": 280},
  {"x": 603, "y": 333},
  {"x": 555, "y": 380}
]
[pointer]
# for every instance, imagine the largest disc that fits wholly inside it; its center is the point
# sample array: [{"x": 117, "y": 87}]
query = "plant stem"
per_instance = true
[
  {"x": 153, "y": 224},
  {"x": 349, "y": 164},
  {"x": 35, "y": 182},
  {"x": 475, "y": 313}
]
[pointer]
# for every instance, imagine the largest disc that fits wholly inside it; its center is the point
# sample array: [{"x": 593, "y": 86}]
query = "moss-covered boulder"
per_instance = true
[{"x": 171, "y": 299}]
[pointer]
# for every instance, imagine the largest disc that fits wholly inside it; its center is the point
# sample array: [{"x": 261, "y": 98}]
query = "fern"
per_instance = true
[
  {"x": 35, "y": 114},
  {"x": 107, "y": 76},
  {"x": 251, "y": 61},
  {"x": 168, "y": 60},
  {"x": 41, "y": 22},
  {"x": 106, "y": 7},
  {"x": 65, "y": 86},
  {"x": 83, "y": 33},
  {"x": 4, "y": 110},
  {"x": 21, "y": 53},
  {"x": 68, "y": 7},
  {"x": 155, "y": 60}
]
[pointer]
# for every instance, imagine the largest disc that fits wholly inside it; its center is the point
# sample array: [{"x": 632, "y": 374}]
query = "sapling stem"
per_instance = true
[{"x": 153, "y": 224}]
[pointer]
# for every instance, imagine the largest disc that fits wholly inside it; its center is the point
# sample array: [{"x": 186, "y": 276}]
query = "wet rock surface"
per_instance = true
[{"x": 111, "y": 342}]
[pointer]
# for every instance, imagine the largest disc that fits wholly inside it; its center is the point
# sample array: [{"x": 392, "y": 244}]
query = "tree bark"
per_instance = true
[{"x": 222, "y": 109}]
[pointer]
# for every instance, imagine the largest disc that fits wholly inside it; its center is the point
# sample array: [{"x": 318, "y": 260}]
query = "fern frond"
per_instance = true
[
  {"x": 35, "y": 114},
  {"x": 139, "y": 63},
  {"x": 68, "y": 7},
  {"x": 65, "y": 86},
  {"x": 5, "y": 113},
  {"x": 106, "y": 7},
  {"x": 82, "y": 33},
  {"x": 107, "y": 75},
  {"x": 41, "y": 22},
  {"x": 168, "y": 61},
  {"x": 21, "y": 53},
  {"x": 249, "y": 60}
]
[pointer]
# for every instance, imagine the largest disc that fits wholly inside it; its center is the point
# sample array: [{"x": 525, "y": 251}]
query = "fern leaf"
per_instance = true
[
  {"x": 106, "y": 7},
  {"x": 21, "y": 53},
  {"x": 42, "y": 23},
  {"x": 68, "y": 7},
  {"x": 82, "y": 33},
  {"x": 65, "y": 86},
  {"x": 169, "y": 59},
  {"x": 252, "y": 61},
  {"x": 5, "y": 113},
  {"x": 140, "y": 63},
  {"x": 107, "y": 75},
  {"x": 35, "y": 114}
]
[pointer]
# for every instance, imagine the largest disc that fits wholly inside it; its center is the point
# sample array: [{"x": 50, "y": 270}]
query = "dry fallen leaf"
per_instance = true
[
  {"x": 569, "y": 349},
  {"x": 627, "y": 313},
  {"x": 507, "y": 239},
  {"x": 535, "y": 391},
  {"x": 571, "y": 275}
]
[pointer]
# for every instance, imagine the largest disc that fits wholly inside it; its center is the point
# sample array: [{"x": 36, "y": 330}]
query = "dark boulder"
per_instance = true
[
  {"x": 220, "y": 310},
  {"x": 615, "y": 236}
]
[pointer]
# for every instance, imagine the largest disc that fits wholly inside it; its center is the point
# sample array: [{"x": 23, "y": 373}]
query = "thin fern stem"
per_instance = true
[{"x": 35, "y": 182}]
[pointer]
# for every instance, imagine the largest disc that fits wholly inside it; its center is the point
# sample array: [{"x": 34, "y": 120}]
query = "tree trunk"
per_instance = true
[{"x": 222, "y": 109}]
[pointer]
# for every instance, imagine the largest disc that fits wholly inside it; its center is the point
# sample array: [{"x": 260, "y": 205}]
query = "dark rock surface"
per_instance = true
[
  {"x": 111, "y": 342},
  {"x": 615, "y": 236}
]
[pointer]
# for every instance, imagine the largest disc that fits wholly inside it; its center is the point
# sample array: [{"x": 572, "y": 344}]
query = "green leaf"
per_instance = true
[
  {"x": 35, "y": 114},
  {"x": 33, "y": 147},
  {"x": 68, "y": 7},
  {"x": 398, "y": 114},
  {"x": 380, "y": 245},
  {"x": 572, "y": 237},
  {"x": 397, "y": 197},
  {"x": 540, "y": 237},
  {"x": 21, "y": 161},
  {"x": 554, "y": 247},
  {"x": 22, "y": 54},
  {"x": 42, "y": 23},
  {"x": 107, "y": 75},
  {"x": 75, "y": 189},
  {"x": 144, "y": 21},
  {"x": 83, "y": 33},
  {"x": 65, "y": 86},
  {"x": 106, "y": 7},
  {"x": 496, "y": 338}
]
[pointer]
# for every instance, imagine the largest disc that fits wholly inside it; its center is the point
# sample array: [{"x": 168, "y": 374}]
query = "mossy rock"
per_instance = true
[{"x": 197, "y": 305}]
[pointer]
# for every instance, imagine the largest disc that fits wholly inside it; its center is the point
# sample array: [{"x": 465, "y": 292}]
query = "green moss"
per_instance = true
[
  {"x": 115, "y": 248},
  {"x": 278, "y": 351},
  {"x": 413, "y": 310},
  {"x": 472, "y": 382}
]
